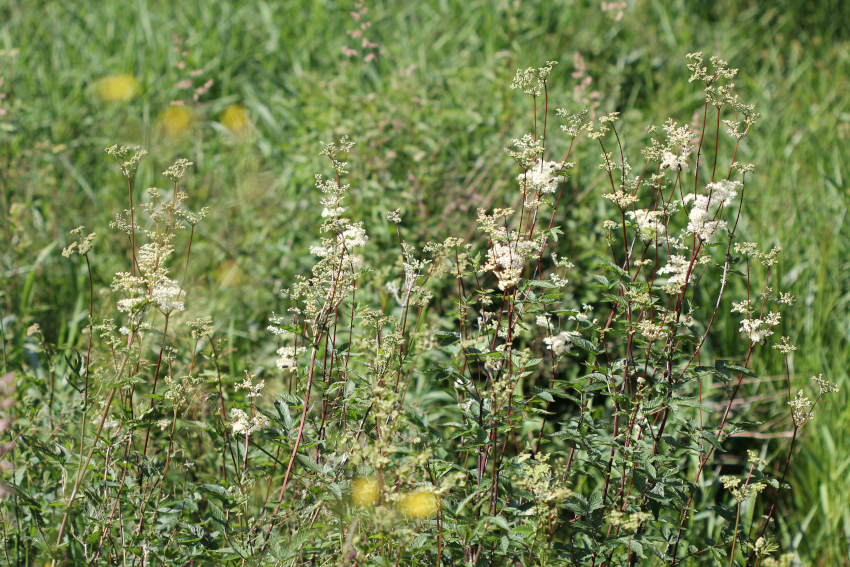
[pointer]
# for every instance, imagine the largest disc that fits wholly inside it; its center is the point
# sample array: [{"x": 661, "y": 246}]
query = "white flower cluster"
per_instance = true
[
  {"x": 254, "y": 390},
  {"x": 742, "y": 307},
  {"x": 677, "y": 267},
  {"x": 674, "y": 162},
  {"x": 648, "y": 223},
  {"x": 353, "y": 236},
  {"x": 289, "y": 357},
  {"x": 334, "y": 212},
  {"x": 241, "y": 423},
  {"x": 541, "y": 178},
  {"x": 824, "y": 386},
  {"x": 527, "y": 150},
  {"x": 82, "y": 247},
  {"x": 562, "y": 342},
  {"x": 759, "y": 329},
  {"x": 801, "y": 409},
  {"x": 543, "y": 321},
  {"x": 129, "y": 304},
  {"x": 507, "y": 260},
  {"x": 701, "y": 220},
  {"x": 650, "y": 330},
  {"x": 166, "y": 295},
  {"x": 622, "y": 199}
]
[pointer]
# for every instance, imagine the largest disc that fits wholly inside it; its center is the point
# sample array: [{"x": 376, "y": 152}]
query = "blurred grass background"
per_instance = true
[{"x": 430, "y": 115}]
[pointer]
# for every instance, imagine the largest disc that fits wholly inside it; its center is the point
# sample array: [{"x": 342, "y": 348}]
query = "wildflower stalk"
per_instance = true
[
  {"x": 735, "y": 535},
  {"x": 156, "y": 377},
  {"x": 91, "y": 332},
  {"x": 82, "y": 471},
  {"x": 132, "y": 226},
  {"x": 300, "y": 430},
  {"x": 799, "y": 421},
  {"x": 188, "y": 253},
  {"x": 223, "y": 414}
]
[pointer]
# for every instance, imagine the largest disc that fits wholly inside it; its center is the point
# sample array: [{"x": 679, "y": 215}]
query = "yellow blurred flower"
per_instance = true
[
  {"x": 364, "y": 492},
  {"x": 420, "y": 505},
  {"x": 117, "y": 87},
  {"x": 235, "y": 118},
  {"x": 175, "y": 119}
]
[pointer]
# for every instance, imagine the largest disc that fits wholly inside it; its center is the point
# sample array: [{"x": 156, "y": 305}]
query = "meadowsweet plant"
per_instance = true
[{"x": 450, "y": 404}]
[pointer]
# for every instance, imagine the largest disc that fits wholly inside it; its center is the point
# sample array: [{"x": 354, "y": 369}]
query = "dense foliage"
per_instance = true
[{"x": 448, "y": 402}]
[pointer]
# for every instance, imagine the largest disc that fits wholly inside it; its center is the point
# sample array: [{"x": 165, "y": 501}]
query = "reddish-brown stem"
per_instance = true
[
  {"x": 155, "y": 378},
  {"x": 132, "y": 224},
  {"x": 300, "y": 431}
]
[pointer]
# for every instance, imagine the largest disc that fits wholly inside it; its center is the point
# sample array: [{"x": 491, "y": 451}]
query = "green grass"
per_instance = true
[{"x": 446, "y": 120}]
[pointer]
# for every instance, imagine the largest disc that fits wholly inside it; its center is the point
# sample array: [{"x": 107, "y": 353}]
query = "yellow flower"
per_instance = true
[
  {"x": 420, "y": 505},
  {"x": 235, "y": 118},
  {"x": 175, "y": 119},
  {"x": 364, "y": 492},
  {"x": 117, "y": 87}
]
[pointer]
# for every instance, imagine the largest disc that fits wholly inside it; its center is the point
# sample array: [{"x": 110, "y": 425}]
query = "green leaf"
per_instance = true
[
  {"x": 446, "y": 338},
  {"x": 585, "y": 344},
  {"x": 611, "y": 267},
  {"x": 711, "y": 438},
  {"x": 538, "y": 283},
  {"x": 688, "y": 403},
  {"x": 217, "y": 491},
  {"x": 501, "y": 522},
  {"x": 603, "y": 281},
  {"x": 309, "y": 464},
  {"x": 554, "y": 232},
  {"x": 725, "y": 367},
  {"x": 595, "y": 501},
  {"x": 543, "y": 394}
]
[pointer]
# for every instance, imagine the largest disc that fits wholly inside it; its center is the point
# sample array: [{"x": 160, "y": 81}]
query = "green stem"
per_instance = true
[{"x": 735, "y": 536}]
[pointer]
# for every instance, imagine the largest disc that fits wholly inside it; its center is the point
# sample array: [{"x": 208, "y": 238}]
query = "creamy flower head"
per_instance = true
[
  {"x": 507, "y": 260},
  {"x": 677, "y": 267},
  {"x": 648, "y": 223},
  {"x": 759, "y": 329},
  {"x": 166, "y": 296},
  {"x": 562, "y": 342},
  {"x": 674, "y": 162},
  {"x": 540, "y": 178},
  {"x": 333, "y": 212},
  {"x": 288, "y": 357},
  {"x": 354, "y": 236},
  {"x": 129, "y": 304},
  {"x": 241, "y": 423},
  {"x": 622, "y": 199},
  {"x": 701, "y": 218}
]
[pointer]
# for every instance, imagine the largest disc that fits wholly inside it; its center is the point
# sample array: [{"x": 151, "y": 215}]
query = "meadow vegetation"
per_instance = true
[{"x": 527, "y": 391}]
